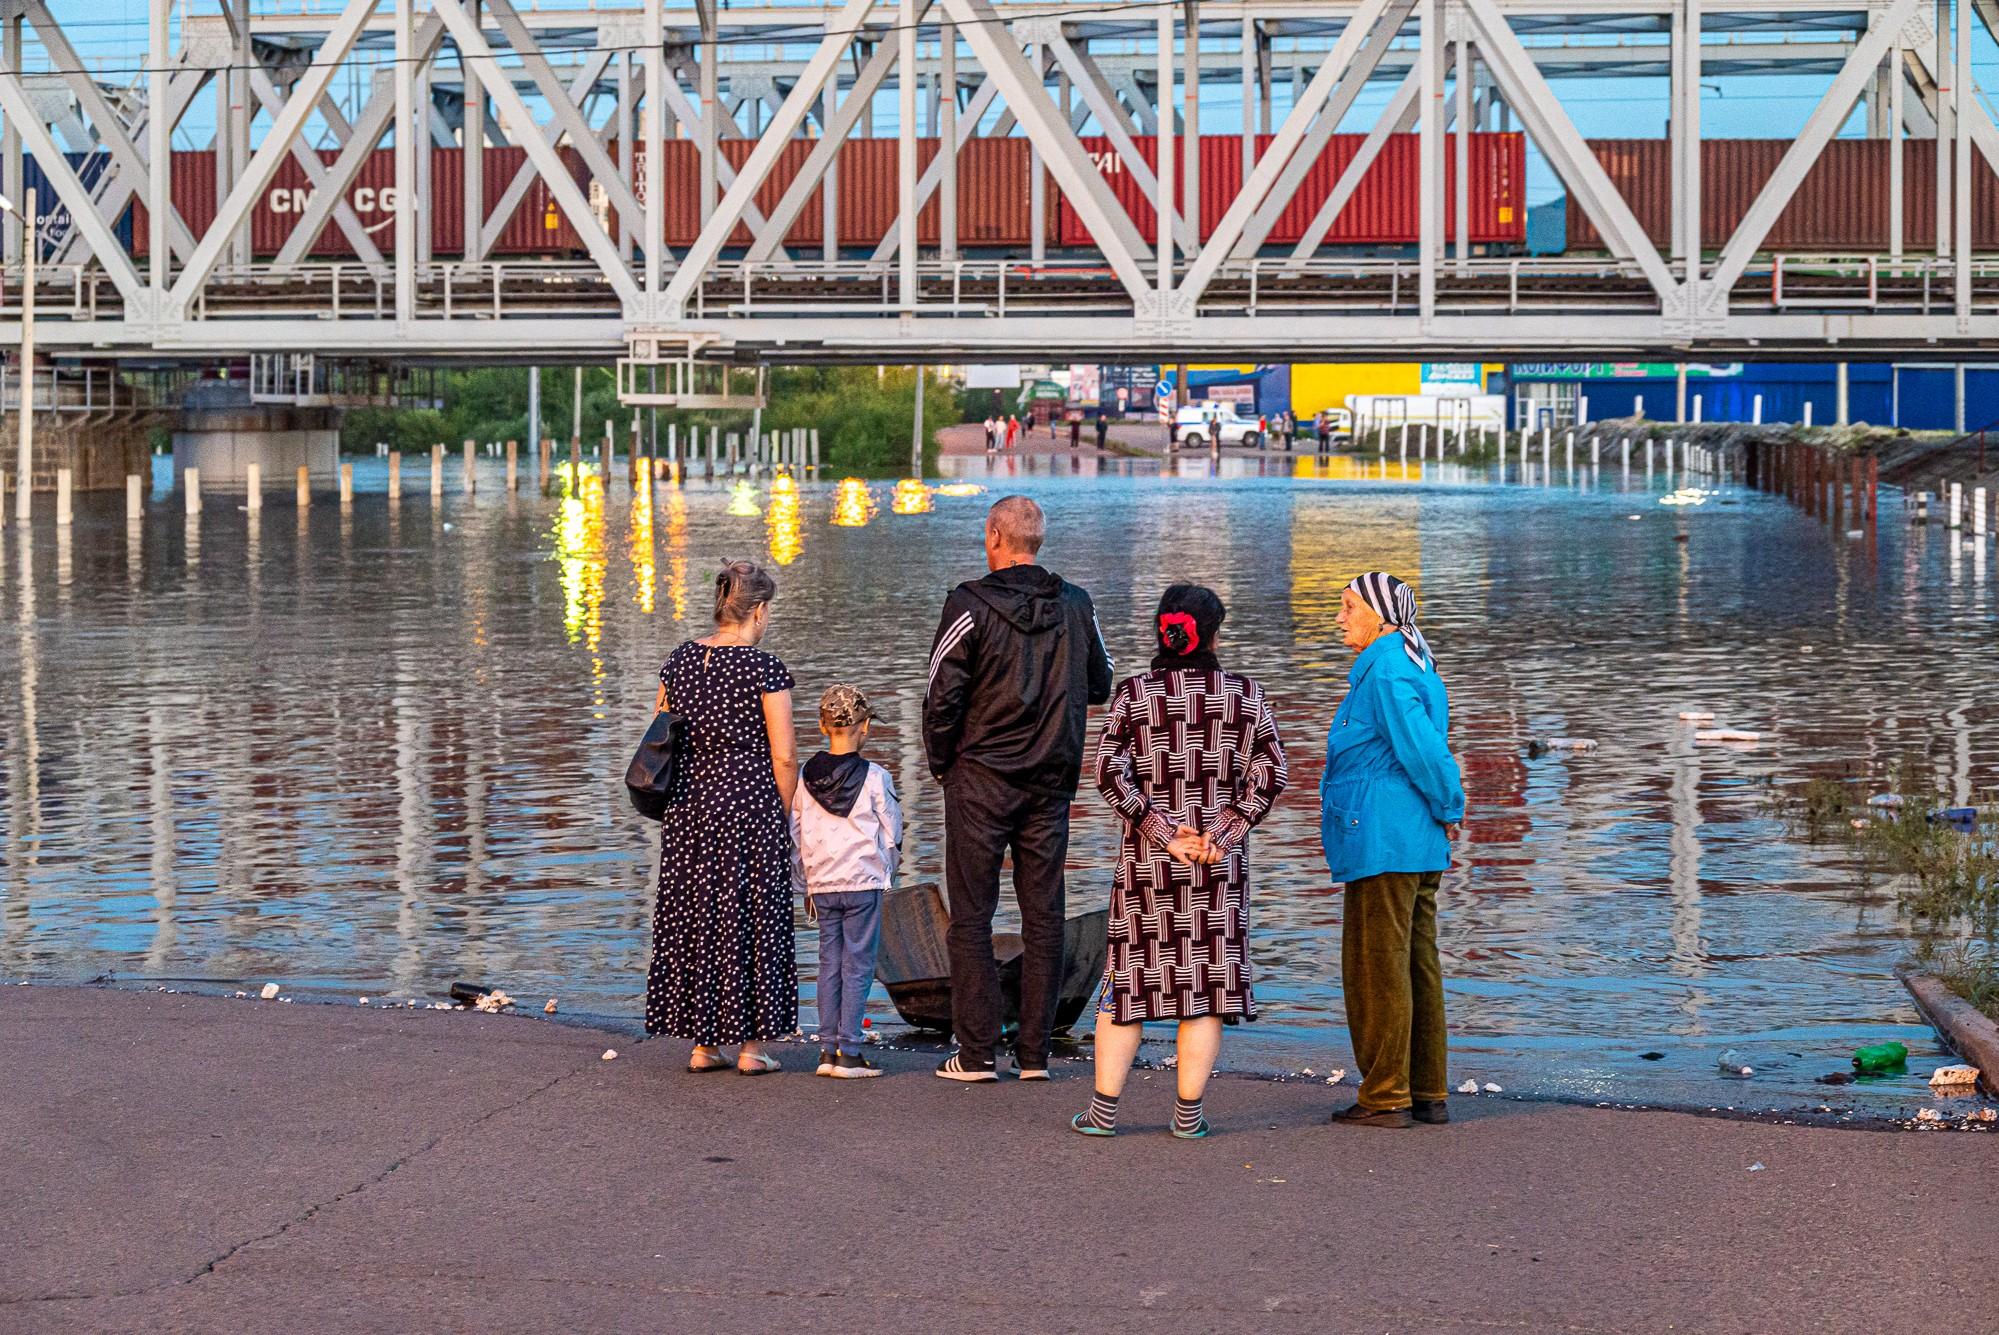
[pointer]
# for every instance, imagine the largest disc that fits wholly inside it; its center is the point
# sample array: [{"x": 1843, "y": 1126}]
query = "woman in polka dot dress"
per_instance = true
[{"x": 722, "y": 965}]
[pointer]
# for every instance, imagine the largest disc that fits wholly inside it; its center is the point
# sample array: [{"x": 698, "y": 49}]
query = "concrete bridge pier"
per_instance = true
[{"x": 221, "y": 432}]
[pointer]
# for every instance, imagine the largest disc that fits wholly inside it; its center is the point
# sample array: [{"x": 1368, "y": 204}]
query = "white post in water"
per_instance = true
[
  {"x": 253, "y": 487},
  {"x": 1403, "y": 459},
  {"x": 1756, "y": 410},
  {"x": 304, "y": 488},
  {"x": 513, "y": 465},
  {"x": 1697, "y": 410},
  {"x": 1624, "y": 451},
  {"x": 1638, "y": 406},
  {"x": 135, "y": 502},
  {"x": 190, "y": 485},
  {"x": 24, "y": 465},
  {"x": 346, "y": 486},
  {"x": 1547, "y": 446},
  {"x": 1569, "y": 451},
  {"x": 1808, "y": 412},
  {"x": 1405, "y": 438},
  {"x": 471, "y": 473},
  {"x": 436, "y": 471},
  {"x": 1957, "y": 505},
  {"x": 1595, "y": 451},
  {"x": 812, "y": 440},
  {"x": 1582, "y": 410},
  {"x": 1978, "y": 511},
  {"x": 395, "y": 476},
  {"x": 63, "y": 483}
]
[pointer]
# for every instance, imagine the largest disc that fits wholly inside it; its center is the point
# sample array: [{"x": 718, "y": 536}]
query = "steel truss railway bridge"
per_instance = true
[{"x": 613, "y": 83}]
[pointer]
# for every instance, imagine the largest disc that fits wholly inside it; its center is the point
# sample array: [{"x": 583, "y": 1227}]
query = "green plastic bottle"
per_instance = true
[{"x": 1880, "y": 1058}]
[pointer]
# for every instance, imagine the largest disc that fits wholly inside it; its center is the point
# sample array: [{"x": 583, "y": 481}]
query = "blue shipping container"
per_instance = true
[{"x": 91, "y": 169}]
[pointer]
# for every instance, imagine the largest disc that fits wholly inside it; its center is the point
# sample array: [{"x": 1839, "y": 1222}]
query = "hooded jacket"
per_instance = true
[
  {"x": 846, "y": 826},
  {"x": 1017, "y": 662}
]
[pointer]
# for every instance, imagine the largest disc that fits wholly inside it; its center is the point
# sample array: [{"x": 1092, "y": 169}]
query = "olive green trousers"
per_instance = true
[{"x": 1394, "y": 987}]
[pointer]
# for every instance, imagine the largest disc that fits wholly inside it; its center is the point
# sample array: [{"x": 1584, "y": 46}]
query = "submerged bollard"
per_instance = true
[
  {"x": 544, "y": 462},
  {"x": 395, "y": 476},
  {"x": 304, "y": 487},
  {"x": 513, "y": 466},
  {"x": 64, "y": 482},
  {"x": 471, "y": 470},
  {"x": 1922, "y": 515},
  {"x": 436, "y": 471},
  {"x": 190, "y": 485},
  {"x": 1957, "y": 505},
  {"x": 346, "y": 485},
  {"x": 1978, "y": 511},
  {"x": 135, "y": 502},
  {"x": 253, "y": 487}
]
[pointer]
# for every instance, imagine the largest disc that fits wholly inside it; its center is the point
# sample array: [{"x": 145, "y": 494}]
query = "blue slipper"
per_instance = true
[
  {"x": 1082, "y": 1125},
  {"x": 1198, "y": 1133}
]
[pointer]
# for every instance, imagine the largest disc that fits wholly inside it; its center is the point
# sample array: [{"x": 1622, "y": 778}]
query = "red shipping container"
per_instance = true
[
  {"x": 537, "y": 226},
  {"x": 1382, "y": 210},
  {"x": 1841, "y": 205}
]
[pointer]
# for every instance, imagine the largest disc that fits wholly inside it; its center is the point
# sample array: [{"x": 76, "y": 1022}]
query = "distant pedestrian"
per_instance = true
[
  {"x": 846, "y": 838},
  {"x": 1012, "y": 429},
  {"x": 722, "y": 970},
  {"x": 1191, "y": 761},
  {"x": 1017, "y": 662},
  {"x": 1103, "y": 429},
  {"x": 1393, "y": 798},
  {"x": 1052, "y": 437},
  {"x": 992, "y": 434},
  {"x": 1076, "y": 432},
  {"x": 1322, "y": 426}
]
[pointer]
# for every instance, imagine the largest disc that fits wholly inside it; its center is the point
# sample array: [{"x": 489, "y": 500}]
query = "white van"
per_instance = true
[{"x": 1193, "y": 423}]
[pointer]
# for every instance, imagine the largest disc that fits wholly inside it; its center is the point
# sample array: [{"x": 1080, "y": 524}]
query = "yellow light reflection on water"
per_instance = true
[
  {"x": 1351, "y": 468},
  {"x": 743, "y": 500},
  {"x": 787, "y": 537},
  {"x": 853, "y": 505},
  {"x": 961, "y": 489},
  {"x": 676, "y": 547},
  {"x": 645, "y": 571},
  {"x": 579, "y": 555},
  {"x": 911, "y": 498}
]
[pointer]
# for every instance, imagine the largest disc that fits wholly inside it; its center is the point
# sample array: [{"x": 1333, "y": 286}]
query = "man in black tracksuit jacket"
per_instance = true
[{"x": 1017, "y": 661}]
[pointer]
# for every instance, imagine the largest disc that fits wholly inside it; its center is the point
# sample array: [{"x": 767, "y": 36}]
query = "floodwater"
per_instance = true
[{"x": 372, "y": 751}]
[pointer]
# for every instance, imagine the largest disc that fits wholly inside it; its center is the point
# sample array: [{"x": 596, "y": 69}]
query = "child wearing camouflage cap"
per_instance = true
[{"x": 846, "y": 839}]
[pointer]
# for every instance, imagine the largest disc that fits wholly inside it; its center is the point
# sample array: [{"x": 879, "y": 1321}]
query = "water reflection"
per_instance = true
[
  {"x": 401, "y": 767},
  {"x": 787, "y": 531},
  {"x": 853, "y": 506},
  {"x": 911, "y": 498}
]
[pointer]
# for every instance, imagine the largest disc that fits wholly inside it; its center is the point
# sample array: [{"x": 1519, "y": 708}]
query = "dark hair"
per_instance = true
[
  {"x": 740, "y": 589},
  {"x": 1188, "y": 600}
]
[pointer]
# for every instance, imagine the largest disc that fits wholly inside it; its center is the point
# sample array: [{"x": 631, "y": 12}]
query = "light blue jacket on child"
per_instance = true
[{"x": 1391, "y": 784}]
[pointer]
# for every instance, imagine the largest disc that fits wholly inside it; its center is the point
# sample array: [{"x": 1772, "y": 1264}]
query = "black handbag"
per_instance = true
[{"x": 655, "y": 765}]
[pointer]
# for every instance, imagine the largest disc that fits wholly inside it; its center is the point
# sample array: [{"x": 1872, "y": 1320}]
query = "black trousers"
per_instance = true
[{"x": 984, "y": 818}]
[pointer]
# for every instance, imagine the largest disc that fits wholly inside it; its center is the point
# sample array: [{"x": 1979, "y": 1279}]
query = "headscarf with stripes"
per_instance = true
[{"x": 1395, "y": 603}]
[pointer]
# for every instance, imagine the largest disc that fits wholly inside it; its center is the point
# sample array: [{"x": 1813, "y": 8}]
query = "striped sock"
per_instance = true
[
  {"x": 1102, "y": 1111},
  {"x": 1186, "y": 1116}
]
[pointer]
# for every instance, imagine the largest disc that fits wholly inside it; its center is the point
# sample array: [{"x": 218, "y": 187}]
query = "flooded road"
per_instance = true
[{"x": 377, "y": 750}]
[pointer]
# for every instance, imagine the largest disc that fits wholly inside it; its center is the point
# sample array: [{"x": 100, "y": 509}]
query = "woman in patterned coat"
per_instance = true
[{"x": 1190, "y": 759}]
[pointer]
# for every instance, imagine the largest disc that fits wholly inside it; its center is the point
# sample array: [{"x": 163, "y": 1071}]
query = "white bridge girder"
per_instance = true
[{"x": 612, "y": 88}]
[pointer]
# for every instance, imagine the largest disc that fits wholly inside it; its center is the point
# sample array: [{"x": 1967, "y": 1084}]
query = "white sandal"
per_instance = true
[{"x": 765, "y": 1064}]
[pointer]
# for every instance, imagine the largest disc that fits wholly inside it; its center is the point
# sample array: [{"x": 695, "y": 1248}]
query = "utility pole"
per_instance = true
[{"x": 916, "y": 429}]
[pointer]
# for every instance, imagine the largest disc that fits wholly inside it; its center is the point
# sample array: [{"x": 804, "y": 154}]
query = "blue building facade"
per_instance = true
[{"x": 1917, "y": 395}]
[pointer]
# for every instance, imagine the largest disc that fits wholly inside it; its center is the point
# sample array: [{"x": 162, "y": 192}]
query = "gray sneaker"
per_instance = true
[{"x": 853, "y": 1066}]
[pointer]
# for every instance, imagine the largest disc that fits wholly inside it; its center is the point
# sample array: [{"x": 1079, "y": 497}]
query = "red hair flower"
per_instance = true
[{"x": 1178, "y": 632}]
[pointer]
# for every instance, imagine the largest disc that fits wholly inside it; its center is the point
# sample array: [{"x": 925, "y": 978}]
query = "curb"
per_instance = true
[{"x": 1963, "y": 1026}]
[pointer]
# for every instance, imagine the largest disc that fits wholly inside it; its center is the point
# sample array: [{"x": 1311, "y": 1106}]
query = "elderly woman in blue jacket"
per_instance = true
[{"x": 1392, "y": 801}]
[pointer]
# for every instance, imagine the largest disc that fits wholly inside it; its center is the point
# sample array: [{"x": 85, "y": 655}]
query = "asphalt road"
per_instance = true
[{"x": 176, "y": 1162}]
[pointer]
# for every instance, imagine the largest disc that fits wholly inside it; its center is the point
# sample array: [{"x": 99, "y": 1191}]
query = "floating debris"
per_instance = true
[
  {"x": 1468, "y": 1087},
  {"x": 1734, "y": 1067},
  {"x": 1836, "y": 1078},
  {"x": 364, "y": 1001},
  {"x": 270, "y": 992},
  {"x": 610, "y": 1055},
  {"x": 1928, "y": 1115},
  {"x": 1685, "y": 496},
  {"x": 961, "y": 489},
  {"x": 1491, "y": 1088},
  {"x": 1696, "y": 716},
  {"x": 1541, "y": 746},
  {"x": 1334, "y": 1077},
  {"x": 1885, "y": 800},
  {"x": 549, "y": 1009},
  {"x": 1726, "y": 735},
  {"x": 493, "y": 1002},
  {"x": 1952, "y": 1077}
]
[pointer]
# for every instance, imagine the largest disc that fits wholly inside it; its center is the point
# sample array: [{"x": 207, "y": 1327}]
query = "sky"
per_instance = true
[{"x": 110, "y": 36}]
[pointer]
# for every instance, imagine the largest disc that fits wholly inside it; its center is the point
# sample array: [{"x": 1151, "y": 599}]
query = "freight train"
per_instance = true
[{"x": 1842, "y": 204}]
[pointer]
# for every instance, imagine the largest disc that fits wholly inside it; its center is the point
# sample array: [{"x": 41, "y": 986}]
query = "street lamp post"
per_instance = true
[{"x": 25, "y": 463}]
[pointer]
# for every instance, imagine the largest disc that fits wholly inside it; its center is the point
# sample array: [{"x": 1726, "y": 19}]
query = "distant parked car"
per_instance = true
[{"x": 1192, "y": 426}]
